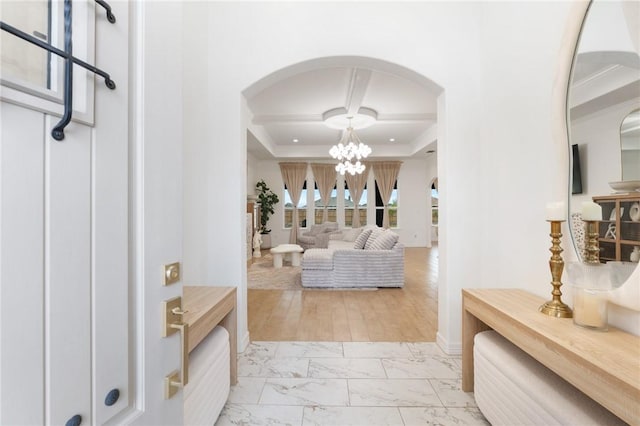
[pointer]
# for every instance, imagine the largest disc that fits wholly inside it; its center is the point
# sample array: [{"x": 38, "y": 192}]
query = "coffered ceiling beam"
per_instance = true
[
  {"x": 266, "y": 119},
  {"x": 287, "y": 119},
  {"x": 358, "y": 86}
]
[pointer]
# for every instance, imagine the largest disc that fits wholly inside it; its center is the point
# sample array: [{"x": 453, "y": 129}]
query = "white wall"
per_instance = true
[
  {"x": 196, "y": 146},
  {"x": 414, "y": 203},
  {"x": 499, "y": 161},
  {"x": 252, "y": 176}
]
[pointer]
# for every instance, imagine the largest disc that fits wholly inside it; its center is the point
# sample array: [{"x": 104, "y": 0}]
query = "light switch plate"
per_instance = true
[{"x": 171, "y": 273}]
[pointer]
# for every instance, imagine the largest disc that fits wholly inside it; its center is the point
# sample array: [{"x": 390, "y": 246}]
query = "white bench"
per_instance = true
[
  {"x": 279, "y": 251},
  {"x": 511, "y": 387}
]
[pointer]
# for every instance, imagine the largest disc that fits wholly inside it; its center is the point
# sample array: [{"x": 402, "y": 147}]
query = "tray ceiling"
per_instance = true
[{"x": 292, "y": 109}]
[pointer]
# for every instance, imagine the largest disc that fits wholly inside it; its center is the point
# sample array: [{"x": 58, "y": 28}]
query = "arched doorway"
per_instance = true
[{"x": 276, "y": 131}]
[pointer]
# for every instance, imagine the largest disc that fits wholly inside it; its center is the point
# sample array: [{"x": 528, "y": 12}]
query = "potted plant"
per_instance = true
[{"x": 267, "y": 200}]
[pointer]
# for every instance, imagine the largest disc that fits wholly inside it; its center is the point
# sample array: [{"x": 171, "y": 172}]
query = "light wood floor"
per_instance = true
[{"x": 409, "y": 314}]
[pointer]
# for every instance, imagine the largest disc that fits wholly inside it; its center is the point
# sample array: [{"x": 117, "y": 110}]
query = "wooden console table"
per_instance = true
[
  {"x": 603, "y": 365},
  {"x": 206, "y": 308}
]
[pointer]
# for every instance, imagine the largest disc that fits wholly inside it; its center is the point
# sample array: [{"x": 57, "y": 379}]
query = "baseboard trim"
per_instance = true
[
  {"x": 448, "y": 348},
  {"x": 244, "y": 342}
]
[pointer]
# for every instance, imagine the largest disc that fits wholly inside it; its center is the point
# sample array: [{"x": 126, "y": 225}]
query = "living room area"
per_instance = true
[
  {"x": 355, "y": 306},
  {"x": 407, "y": 314}
]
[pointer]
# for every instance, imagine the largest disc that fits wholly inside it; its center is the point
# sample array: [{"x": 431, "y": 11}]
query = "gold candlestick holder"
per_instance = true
[
  {"x": 592, "y": 246},
  {"x": 555, "y": 307}
]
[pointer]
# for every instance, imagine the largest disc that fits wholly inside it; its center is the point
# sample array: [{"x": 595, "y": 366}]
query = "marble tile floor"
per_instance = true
[{"x": 348, "y": 383}]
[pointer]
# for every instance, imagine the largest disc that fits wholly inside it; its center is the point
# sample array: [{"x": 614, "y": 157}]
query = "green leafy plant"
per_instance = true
[{"x": 267, "y": 200}]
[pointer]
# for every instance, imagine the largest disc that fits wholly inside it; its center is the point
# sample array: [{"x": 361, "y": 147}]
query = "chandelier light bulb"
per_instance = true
[{"x": 350, "y": 147}]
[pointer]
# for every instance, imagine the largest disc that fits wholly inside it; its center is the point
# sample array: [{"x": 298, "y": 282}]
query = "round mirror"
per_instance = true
[{"x": 604, "y": 127}]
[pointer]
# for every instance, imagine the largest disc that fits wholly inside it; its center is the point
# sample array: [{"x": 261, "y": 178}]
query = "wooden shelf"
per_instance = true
[
  {"x": 624, "y": 227},
  {"x": 603, "y": 365},
  {"x": 606, "y": 240}
]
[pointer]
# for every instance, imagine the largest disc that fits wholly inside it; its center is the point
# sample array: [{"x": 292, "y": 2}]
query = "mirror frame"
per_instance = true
[{"x": 578, "y": 17}]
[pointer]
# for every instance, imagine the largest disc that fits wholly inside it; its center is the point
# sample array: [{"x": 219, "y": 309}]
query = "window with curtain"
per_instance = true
[
  {"x": 349, "y": 204},
  {"x": 331, "y": 207},
  {"x": 393, "y": 207},
  {"x": 302, "y": 208}
]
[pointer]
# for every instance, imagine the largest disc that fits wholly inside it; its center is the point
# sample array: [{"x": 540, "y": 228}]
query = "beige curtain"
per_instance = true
[
  {"x": 294, "y": 175},
  {"x": 356, "y": 184},
  {"x": 325, "y": 176},
  {"x": 386, "y": 173}
]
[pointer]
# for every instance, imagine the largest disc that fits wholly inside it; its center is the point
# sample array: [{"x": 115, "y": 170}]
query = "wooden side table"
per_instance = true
[
  {"x": 206, "y": 308},
  {"x": 603, "y": 365}
]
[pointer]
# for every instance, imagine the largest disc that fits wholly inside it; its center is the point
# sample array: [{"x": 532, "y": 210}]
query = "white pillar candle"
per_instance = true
[
  {"x": 590, "y": 309},
  {"x": 556, "y": 211},
  {"x": 591, "y": 211}
]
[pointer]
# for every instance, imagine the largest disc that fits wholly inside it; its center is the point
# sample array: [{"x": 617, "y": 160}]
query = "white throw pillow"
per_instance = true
[
  {"x": 385, "y": 241},
  {"x": 362, "y": 239},
  {"x": 374, "y": 234}
]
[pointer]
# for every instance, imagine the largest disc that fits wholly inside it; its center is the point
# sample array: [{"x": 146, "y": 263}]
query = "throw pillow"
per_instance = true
[
  {"x": 374, "y": 234},
  {"x": 362, "y": 239},
  {"x": 385, "y": 241},
  {"x": 352, "y": 234}
]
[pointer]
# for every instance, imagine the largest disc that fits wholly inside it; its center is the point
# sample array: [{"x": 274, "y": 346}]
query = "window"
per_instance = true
[
  {"x": 393, "y": 207},
  {"x": 302, "y": 208},
  {"x": 331, "y": 207},
  {"x": 434, "y": 204},
  {"x": 21, "y": 61},
  {"x": 33, "y": 77},
  {"x": 349, "y": 207}
]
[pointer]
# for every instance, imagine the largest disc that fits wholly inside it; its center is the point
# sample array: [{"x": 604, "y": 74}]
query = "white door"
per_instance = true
[{"x": 83, "y": 234}]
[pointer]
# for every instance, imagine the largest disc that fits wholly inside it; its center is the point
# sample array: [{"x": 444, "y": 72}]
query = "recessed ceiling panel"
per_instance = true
[
  {"x": 391, "y": 94},
  {"x": 402, "y": 133},
  {"x": 311, "y": 92},
  {"x": 307, "y": 134},
  {"x": 293, "y": 109}
]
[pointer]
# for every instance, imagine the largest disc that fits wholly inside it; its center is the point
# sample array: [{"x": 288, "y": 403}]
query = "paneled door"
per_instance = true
[{"x": 75, "y": 295}]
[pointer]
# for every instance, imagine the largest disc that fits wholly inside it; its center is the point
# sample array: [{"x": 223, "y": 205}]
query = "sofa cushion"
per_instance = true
[
  {"x": 351, "y": 234},
  {"x": 362, "y": 239},
  {"x": 316, "y": 258},
  {"x": 374, "y": 235},
  {"x": 340, "y": 245},
  {"x": 385, "y": 241}
]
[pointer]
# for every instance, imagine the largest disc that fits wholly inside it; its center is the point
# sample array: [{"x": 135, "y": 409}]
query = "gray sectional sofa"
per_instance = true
[{"x": 378, "y": 264}]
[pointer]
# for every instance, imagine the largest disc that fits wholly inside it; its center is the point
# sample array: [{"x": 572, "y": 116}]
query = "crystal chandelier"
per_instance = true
[{"x": 350, "y": 148}]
